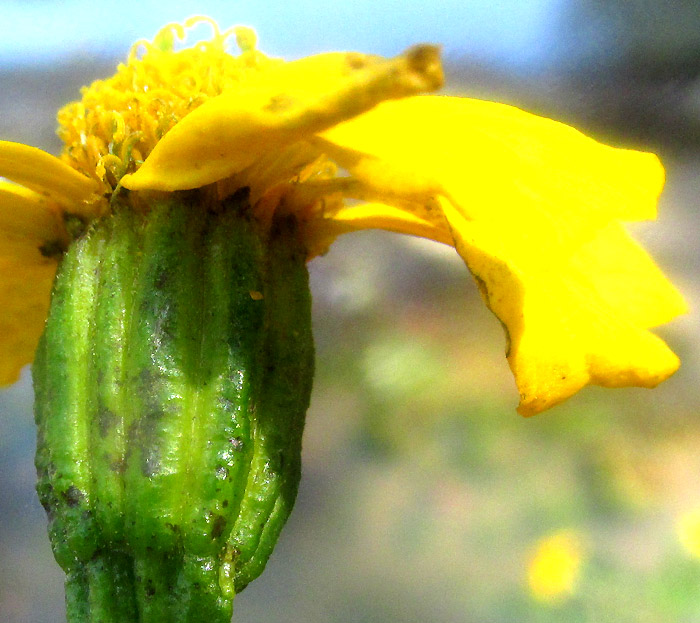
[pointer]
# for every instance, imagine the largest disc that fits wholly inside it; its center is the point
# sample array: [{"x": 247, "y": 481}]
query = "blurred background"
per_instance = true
[{"x": 425, "y": 497}]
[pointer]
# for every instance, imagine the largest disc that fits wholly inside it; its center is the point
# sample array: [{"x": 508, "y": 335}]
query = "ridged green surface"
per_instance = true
[{"x": 170, "y": 403}]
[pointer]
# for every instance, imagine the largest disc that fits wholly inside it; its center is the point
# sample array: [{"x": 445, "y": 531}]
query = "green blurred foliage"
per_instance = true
[{"x": 451, "y": 489}]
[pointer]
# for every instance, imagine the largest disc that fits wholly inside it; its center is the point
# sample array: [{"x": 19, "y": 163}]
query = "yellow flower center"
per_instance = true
[{"x": 118, "y": 122}]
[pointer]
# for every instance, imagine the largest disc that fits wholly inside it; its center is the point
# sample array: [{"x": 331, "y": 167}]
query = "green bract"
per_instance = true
[{"x": 172, "y": 383}]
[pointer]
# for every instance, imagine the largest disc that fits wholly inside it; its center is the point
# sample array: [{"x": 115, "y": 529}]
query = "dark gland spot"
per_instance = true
[
  {"x": 73, "y": 496},
  {"x": 107, "y": 420},
  {"x": 161, "y": 280},
  {"x": 118, "y": 466},
  {"x": 149, "y": 589},
  {"x": 355, "y": 60},
  {"x": 52, "y": 249},
  {"x": 218, "y": 526},
  {"x": 279, "y": 103}
]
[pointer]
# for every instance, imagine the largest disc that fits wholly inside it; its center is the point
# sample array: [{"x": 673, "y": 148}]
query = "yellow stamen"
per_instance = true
[{"x": 118, "y": 122}]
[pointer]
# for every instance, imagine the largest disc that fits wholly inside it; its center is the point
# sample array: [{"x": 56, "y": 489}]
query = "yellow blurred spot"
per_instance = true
[
  {"x": 688, "y": 530},
  {"x": 256, "y": 296},
  {"x": 555, "y": 566}
]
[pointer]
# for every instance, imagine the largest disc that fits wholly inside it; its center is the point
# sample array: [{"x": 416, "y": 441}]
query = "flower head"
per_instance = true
[{"x": 532, "y": 206}]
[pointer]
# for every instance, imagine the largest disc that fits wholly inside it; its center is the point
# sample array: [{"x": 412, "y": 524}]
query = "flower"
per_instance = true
[
  {"x": 532, "y": 206},
  {"x": 555, "y": 567}
]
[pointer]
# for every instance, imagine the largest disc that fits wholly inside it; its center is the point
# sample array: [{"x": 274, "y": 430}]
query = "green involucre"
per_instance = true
[{"x": 172, "y": 383}]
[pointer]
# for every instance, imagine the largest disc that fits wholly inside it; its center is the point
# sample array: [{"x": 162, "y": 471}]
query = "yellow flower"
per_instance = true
[
  {"x": 533, "y": 206},
  {"x": 555, "y": 566},
  {"x": 688, "y": 530}
]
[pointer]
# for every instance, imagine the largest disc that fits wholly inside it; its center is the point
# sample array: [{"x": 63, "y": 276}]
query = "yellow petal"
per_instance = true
[
  {"x": 28, "y": 224},
  {"x": 419, "y": 215},
  {"x": 29, "y": 215},
  {"x": 498, "y": 164},
  {"x": 320, "y": 233},
  {"x": 285, "y": 104},
  {"x": 270, "y": 170},
  {"x": 563, "y": 332},
  {"x": 380, "y": 216},
  {"x": 533, "y": 206},
  {"x": 623, "y": 275},
  {"x": 46, "y": 174},
  {"x": 26, "y": 278}
]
